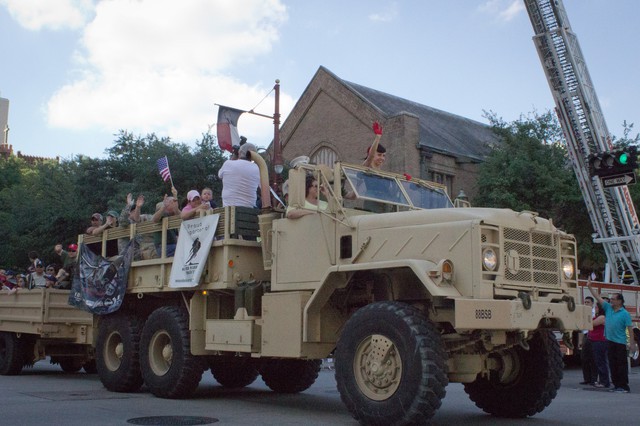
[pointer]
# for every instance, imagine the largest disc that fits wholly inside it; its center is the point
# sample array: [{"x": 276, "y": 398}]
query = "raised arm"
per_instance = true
[
  {"x": 99, "y": 229},
  {"x": 134, "y": 214},
  {"x": 377, "y": 129},
  {"x": 593, "y": 292}
]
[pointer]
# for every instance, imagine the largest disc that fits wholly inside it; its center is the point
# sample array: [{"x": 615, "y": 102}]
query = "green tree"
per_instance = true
[
  {"x": 132, "y": 161},
  {"x": 529, "y": 170}
]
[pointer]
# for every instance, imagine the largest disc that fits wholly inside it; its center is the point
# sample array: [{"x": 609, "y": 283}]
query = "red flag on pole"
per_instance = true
[{"x": 228, "y": 127}]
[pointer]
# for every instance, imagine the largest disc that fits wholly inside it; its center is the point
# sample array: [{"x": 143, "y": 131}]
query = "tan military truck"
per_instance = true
[
  {"x": 405, "y": 300},
  {"x": 38, "y": 323}
]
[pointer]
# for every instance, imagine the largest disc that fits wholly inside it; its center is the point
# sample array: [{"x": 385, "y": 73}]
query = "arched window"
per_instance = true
[{"x": 324, "y": 155}]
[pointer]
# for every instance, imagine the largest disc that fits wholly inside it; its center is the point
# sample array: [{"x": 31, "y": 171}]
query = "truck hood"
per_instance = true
[{"x": 504, "y": 217}]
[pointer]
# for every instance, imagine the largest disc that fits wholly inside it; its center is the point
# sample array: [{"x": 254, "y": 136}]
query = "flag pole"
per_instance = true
[{"x": 170, "y": 177}]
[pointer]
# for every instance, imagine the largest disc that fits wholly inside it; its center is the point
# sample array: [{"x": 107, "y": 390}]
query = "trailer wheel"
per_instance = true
[
  {"x": 391, "y": 365},
  {"x": 168, "y": 367},
  {"x": 526, "y": 382},
  {"x": 71, "y": 364},
  {"x": 118, "y": 353},
  {"x": 11, "y": 354},
  {"x": 289, "y": 375},
  {"x": 233, "y": 372}
]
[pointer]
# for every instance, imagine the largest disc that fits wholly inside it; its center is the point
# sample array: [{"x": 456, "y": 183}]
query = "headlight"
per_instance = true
[
  {"x": 567, "y": 268},
  {"x": 489, "y": 259}
]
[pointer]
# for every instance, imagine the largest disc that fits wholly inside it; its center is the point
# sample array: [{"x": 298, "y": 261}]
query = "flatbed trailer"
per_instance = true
[{"x": 40, "y": 323}]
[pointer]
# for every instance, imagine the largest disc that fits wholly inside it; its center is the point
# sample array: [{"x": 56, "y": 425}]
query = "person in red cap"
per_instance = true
[{"x": 65, "y": 274}]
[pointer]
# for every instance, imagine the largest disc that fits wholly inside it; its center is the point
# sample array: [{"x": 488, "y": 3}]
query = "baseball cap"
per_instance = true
[
  {"x": 112, "y": 213},
  {"x": 73, "y": 247},
  {"x": 97, "y": 216},
  {"x": 242, "y": 152},
  {"x": 39, "y": 264},
  {"x": 192, "y": 194}
]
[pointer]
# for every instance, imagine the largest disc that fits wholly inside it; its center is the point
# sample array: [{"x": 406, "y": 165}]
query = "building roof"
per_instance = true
[{"x": 440, "y": 131}]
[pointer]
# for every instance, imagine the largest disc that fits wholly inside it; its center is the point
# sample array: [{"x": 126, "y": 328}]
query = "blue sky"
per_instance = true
[{"x": 77, "y": 71}]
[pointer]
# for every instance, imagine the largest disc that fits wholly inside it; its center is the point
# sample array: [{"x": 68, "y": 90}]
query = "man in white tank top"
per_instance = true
[{"x": 240, "y": 179}]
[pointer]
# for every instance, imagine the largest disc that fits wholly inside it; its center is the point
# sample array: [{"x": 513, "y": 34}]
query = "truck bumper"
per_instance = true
[{"x": 474, "y": 314}]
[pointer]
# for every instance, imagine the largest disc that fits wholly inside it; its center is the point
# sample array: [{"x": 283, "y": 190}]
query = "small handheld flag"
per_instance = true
[{"x": 163, "y": 168}]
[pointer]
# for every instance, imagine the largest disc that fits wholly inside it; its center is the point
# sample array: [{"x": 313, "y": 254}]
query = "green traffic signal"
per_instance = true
[
  {"x": 613, "y": 163},
  {"x": 623, "y": 158}
]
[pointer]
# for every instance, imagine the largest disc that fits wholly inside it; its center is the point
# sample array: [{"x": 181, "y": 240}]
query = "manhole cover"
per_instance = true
[{"x": 172, "y": 420}]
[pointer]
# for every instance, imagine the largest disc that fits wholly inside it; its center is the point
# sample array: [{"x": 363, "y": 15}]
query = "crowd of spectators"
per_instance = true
[{"x": 39, "y": 274}]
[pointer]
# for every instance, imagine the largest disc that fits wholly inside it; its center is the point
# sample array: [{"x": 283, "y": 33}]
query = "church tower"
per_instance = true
[{"x": 6, "y": 150}]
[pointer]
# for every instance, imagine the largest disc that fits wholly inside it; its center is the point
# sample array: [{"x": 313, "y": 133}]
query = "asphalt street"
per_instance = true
[{"x": 46, "y": 395}]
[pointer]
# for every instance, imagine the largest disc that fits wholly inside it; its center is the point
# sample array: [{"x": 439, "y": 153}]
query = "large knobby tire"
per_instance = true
[
  {"x": 71, "y": 364},
  {"x": 168, "y": 367},
  {"x": 526, "y": 383},
  {"x": 289, "y": 375},
  {"x": 391, "y": 365},
  {"x": 118, "y": 353},
  {"x": 90, "y": 367},
  {"x": 233, "y": 372},
  {"x": 11, "y": 354}
]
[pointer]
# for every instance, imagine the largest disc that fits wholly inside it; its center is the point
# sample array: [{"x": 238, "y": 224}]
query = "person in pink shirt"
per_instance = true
[{"x": 194, "y": 205}]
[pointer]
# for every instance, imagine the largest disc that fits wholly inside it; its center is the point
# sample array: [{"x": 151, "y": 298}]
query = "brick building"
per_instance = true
[{"x": 332, "y": 121}]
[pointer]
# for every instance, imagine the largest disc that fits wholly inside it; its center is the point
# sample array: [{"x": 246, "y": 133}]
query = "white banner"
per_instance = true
[{"x": 194, "y": 241}]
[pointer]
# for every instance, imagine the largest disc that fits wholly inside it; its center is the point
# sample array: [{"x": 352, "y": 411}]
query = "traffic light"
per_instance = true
[{"x": 612, "y": 163}]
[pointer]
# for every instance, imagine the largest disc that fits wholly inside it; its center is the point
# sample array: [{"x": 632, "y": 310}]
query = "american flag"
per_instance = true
[{"x": 163, "y": 168}]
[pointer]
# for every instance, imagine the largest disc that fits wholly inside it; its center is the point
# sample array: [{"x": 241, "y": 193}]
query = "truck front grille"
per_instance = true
[{"x": 538, "y": 257}]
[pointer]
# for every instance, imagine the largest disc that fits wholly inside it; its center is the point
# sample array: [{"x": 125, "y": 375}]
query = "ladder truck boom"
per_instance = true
[{"x": 611, "y": 210}]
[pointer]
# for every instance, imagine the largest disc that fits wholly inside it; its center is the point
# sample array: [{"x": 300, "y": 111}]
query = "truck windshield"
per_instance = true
[{"x": 393, "y": 190}]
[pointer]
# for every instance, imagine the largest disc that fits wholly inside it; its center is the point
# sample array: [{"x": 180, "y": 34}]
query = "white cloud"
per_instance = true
[
  {"x": 511, "y": 11},
  {"x": 52, "y": 14},
  {"x": 502, "y": 10},
  {"x": 387, "y": 15},
  {"x": 160, "y": 65}
]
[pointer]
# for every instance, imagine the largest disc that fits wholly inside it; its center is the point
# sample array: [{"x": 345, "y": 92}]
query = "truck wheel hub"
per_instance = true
[
  {"x": 167, "y": 353},
  {"x": 377, "y": 367}
]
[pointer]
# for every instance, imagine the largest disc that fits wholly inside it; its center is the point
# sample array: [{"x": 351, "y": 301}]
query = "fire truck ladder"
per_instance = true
[{"x": 611, "y": 210}]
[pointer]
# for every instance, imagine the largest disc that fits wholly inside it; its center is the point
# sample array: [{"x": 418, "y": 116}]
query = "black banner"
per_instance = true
[{"x": 99, "y": 284}]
